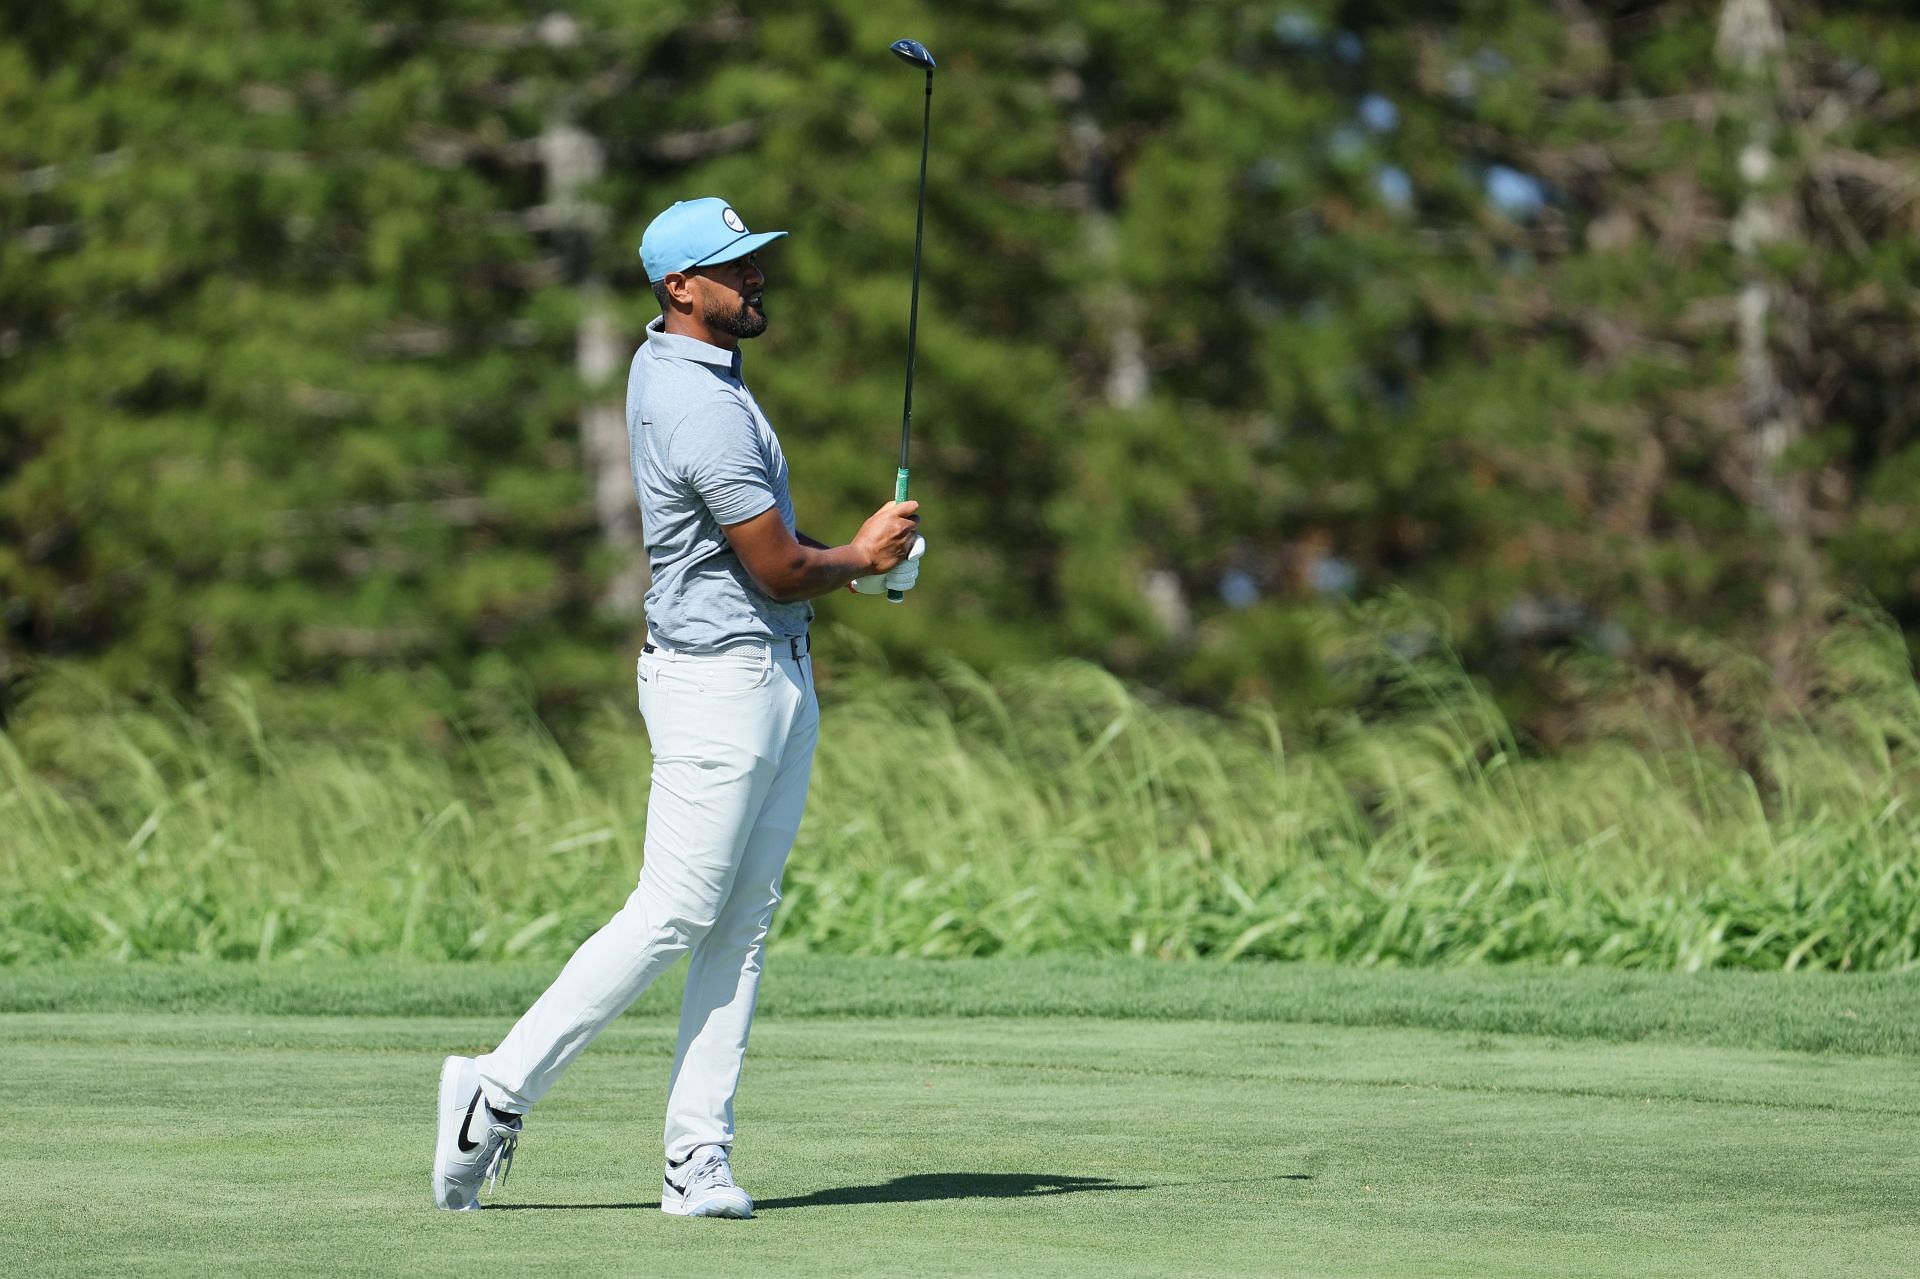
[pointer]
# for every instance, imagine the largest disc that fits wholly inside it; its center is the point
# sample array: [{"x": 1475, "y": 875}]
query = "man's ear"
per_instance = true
[{"x": 679, "y": 287}]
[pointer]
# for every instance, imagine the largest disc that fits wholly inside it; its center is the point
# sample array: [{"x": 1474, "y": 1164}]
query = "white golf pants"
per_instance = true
[{"x": 733, "y": 736}]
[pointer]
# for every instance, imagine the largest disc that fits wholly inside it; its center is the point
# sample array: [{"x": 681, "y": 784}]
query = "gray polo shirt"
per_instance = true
[{"x": 703, "y": 455}]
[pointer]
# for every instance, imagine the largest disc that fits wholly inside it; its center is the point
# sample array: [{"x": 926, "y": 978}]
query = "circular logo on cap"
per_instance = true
[{"x": 732, "y": 219}]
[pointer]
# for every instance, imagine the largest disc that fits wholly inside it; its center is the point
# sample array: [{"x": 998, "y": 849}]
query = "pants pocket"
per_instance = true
[
  {"x": 731, "y": 673},
  {"x": 715, "y": 675}
]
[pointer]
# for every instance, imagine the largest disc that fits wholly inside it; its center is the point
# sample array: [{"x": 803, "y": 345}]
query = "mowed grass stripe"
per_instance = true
[
  {"x": 1875, "y": 1014},
  {"x": 1296, "y": 1055},
  {"x": 965, "y": 1146}
]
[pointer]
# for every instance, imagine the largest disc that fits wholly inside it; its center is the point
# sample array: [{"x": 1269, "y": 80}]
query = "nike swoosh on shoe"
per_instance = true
[{"x": 465, "y": 1143}]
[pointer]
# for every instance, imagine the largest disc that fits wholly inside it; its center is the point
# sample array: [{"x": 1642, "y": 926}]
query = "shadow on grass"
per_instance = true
[{"x": 921, "y": 1187}]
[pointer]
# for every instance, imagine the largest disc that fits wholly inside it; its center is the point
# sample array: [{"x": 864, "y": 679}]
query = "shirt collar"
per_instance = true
[{"x": 678, "y": 346}]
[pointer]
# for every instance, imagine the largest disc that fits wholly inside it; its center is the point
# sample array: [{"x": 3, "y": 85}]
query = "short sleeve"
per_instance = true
[{"x": 716, "y": 450}]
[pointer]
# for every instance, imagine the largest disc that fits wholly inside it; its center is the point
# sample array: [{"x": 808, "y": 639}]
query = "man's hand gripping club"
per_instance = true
[
  {"x": 896, "y": 572},
  {"x": 900, "y": 577}
]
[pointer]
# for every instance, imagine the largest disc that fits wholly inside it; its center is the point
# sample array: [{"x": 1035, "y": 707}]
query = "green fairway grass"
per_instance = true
[{"x": 1008, "y": 1118}]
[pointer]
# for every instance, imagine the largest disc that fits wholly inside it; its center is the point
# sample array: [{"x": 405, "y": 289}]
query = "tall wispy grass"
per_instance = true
[{"x": 1054, "y": 809}]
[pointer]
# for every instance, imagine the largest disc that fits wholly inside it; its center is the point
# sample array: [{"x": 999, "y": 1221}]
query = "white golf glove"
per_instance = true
[{"x": 899, "y": 578}]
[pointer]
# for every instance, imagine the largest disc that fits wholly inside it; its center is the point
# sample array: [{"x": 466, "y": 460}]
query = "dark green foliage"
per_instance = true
[{"x": 1230, "y": 312}]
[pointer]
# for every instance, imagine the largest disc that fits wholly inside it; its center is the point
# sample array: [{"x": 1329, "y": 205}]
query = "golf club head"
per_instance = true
[{"x": 915, "y": 52}]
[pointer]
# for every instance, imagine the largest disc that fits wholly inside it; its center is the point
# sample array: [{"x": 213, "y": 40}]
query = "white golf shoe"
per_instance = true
[
  {"x": 701, "y": 1185},
  {"x": 476, "y": 1142}
]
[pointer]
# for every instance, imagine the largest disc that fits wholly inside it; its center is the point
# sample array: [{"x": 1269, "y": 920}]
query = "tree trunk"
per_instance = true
[
  {"x": 599, "y": 354},
  {"x": 1751, "y": 46},
  {"x": 1117, "y": 313},
  {"x": 573, "y": 160}
]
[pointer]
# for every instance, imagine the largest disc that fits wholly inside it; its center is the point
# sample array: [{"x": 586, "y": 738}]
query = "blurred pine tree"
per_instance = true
[{"x": 1593, "y": 323}]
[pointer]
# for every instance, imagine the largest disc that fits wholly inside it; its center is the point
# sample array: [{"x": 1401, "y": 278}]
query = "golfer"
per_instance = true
[{"x": 727, "y": 691}]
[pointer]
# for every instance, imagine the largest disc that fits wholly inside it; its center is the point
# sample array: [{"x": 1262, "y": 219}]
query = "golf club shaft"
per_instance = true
[{"x": 913, "y": 313}]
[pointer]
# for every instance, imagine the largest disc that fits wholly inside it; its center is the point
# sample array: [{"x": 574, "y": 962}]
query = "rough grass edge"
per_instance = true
[{"x": 1863, "y": 1014}]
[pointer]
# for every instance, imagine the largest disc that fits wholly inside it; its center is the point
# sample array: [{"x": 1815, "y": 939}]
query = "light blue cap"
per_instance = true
[{"x": 697, "y": 233}]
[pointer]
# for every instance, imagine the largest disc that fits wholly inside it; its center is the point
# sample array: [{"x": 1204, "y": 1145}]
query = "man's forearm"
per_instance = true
[
  {"x": 820, "y": 570},
  {"x": 825, "y": 569},
  {"x": 790, "y": 566}
]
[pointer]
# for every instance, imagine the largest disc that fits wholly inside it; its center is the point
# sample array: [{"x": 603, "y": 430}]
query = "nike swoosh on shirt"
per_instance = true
[{"x": 466, "y": 1145}]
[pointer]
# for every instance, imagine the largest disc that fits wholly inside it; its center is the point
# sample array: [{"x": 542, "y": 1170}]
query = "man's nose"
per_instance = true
[{"x": 755, "y": 277}]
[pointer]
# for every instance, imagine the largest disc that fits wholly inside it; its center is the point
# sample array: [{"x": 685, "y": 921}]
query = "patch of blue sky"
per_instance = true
[
  {"x": 1296, "y": 27},
  {"x": 1518, "y": 195},
  {"x": 1332, "y": 575},
  {"x": 1378, "y": 113},
  {"x": 1238, "y": 588},
  {"x": 1394, "y": 186}
]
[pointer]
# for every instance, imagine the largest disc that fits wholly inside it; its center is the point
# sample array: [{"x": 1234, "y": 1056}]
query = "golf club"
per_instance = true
[{"x": 912, "y": 51}]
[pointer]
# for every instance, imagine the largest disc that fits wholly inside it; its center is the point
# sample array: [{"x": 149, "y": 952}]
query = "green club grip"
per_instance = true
[{"x": 899, "y": 495}]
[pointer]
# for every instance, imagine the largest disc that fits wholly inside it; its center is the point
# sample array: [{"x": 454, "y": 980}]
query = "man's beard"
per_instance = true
[{"x": 743, "y": 323}]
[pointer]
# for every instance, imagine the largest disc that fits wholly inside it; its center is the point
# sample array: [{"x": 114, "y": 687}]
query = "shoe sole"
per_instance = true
[
  {"x": 716, "y": 1205},
  {"x": 449, "y": 1097}
]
